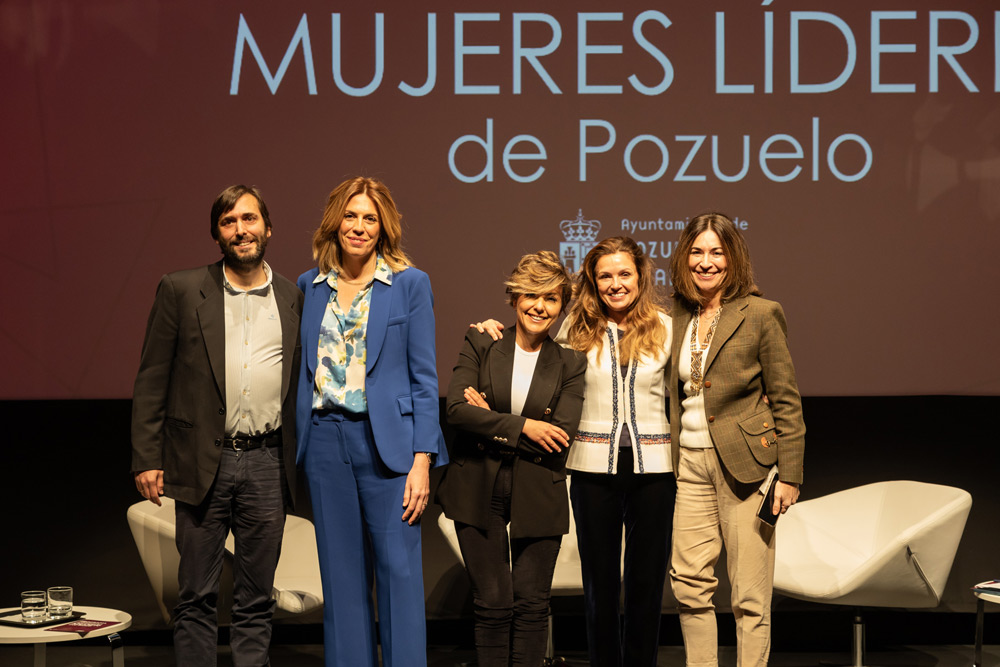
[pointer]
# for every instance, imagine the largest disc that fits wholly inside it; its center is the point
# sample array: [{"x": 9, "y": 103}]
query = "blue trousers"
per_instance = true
[{"x": 358, "y": 507}]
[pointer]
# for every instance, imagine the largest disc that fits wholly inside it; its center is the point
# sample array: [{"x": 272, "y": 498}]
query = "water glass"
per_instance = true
[
  {"x": 60, "y": 601},
  {"x": 33, "y": 606}
]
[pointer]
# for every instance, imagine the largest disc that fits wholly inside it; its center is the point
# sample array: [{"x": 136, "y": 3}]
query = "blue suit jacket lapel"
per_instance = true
[
  {"x": 378, "y": 322},
  {"x": 312, "y": 317}
]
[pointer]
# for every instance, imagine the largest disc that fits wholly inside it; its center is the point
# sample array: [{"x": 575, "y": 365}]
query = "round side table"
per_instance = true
[
  {"x": 41, "y": 636},
  {"x": 981, "y": 598}
]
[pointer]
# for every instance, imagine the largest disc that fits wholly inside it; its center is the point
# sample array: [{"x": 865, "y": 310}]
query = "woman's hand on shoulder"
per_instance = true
[
  {"x": 491, "y": 327},
  {"x": 548, "y": 436}
]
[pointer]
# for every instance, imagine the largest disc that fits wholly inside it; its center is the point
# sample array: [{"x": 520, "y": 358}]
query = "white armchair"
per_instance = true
[
  {"x": 297, "y": 585},
  {"x": 567, "y": 579},
  {"x": 153, "y": 530},
  {"x": 888, "y": 544}
]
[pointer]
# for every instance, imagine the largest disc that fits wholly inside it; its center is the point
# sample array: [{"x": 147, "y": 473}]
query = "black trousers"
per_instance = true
[
  {"x": 248, "y": 497},
  {"x": 644, "y": 504},
  {"x": 511, "y": 584}
]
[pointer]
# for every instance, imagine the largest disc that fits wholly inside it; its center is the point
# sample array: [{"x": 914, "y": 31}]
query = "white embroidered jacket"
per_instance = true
[{"x": 610, "y": 403}]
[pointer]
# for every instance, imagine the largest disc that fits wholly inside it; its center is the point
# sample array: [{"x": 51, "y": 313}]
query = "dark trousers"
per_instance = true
[
  {"x": 644, "y": 504},
  {"x": 248, "y": 497},
  {"x": 511, "y": 584}
]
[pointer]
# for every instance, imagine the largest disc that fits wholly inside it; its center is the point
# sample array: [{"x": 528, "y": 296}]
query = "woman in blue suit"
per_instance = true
[{"x": 368, "y": 428}]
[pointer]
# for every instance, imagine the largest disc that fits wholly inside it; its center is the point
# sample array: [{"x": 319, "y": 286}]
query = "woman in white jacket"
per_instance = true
[{"x": 620, "y": 459}]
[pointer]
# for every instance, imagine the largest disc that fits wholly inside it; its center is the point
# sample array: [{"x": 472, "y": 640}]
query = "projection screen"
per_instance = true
[{"x": 857, "y": 144}]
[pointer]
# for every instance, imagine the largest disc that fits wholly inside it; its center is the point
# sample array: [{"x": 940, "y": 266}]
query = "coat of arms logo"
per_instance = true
[{"x": 581, "y": 236}]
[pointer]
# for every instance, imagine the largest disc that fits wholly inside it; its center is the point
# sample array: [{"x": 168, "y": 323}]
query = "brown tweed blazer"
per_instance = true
[{"x": 747, "y": 360}]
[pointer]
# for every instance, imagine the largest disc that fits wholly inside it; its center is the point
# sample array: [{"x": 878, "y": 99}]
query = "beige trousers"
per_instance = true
[{"x": 713, "y": 509}]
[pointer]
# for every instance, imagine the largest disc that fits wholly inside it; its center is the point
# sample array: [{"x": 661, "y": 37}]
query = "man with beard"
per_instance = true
[{"x": 213, "y": 426}]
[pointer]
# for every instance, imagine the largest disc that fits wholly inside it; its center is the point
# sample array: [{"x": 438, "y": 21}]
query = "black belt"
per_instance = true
[{"x": 242, "y": 442}]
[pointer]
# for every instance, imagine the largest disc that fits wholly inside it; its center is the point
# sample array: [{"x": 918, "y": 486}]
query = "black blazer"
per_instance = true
[
  {"x": 538, "y": 500},
  {"x": 179, "y": 399}
]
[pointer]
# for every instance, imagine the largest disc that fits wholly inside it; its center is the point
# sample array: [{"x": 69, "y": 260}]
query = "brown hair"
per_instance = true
[
  {"x": 645, "y": 333},
  {"x": 540, "y": 273},
  {"x": 738, "y": 281},
  {"x": 227, "y": 199},
  {"x": 326, "y": 243}
]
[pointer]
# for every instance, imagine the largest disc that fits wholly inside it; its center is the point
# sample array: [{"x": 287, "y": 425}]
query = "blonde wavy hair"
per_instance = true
[
  {"x": 645, "y": 333},
  {"x": 326, "y": 241}
]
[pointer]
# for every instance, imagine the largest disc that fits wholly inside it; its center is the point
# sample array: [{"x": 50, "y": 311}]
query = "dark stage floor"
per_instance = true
[{"x": 311, "y": 655}]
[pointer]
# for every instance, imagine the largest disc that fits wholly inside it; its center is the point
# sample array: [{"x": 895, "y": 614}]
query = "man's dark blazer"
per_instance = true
[
  {"x": 179, "y": 400},
  {"x": 538, "y": 499}
]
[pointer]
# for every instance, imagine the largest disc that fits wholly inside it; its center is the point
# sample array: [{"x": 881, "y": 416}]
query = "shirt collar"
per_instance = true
[
  {"x": 232, "y": 289},
  {"x": 383, "y": 274}
]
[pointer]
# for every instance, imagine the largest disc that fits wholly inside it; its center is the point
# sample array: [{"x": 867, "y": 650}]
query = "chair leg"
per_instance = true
[{"x": 858, "y": 643}]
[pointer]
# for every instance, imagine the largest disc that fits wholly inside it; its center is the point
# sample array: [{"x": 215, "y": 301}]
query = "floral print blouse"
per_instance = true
[{"x": 342, "y": 350}]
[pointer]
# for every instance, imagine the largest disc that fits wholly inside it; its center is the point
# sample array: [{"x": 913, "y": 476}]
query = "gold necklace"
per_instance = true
[{"x": 697, "y": 351}]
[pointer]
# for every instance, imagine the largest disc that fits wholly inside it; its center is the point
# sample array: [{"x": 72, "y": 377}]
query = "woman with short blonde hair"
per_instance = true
[
  {"x": 620, "y": 459},
  {"x": 516, "y": 404}
]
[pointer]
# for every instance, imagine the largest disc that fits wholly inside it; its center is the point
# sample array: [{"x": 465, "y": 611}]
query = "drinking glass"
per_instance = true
[
  {"x": 33, "y": 606},
  {"x": 60, "y": 601}
]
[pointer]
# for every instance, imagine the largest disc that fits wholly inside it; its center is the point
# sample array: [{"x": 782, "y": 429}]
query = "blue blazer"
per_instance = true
[{"x": 401, "y": 384}]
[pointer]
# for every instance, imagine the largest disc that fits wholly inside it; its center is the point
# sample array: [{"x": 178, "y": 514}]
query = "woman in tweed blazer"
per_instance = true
[{"x": 735, "y": 415}]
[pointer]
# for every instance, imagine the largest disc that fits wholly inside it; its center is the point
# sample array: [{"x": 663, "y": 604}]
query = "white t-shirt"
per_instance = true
[{"x": 524, "y": 369}]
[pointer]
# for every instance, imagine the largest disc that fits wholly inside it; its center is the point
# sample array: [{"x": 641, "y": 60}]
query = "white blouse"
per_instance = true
[{"x": 694, "y": 422}]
